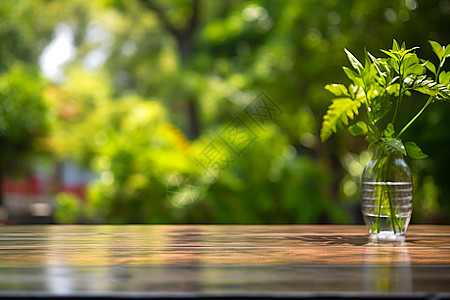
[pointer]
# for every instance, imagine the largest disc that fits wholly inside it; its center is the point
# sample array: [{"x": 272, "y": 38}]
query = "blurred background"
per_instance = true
[{"x": 197, "y": 111}]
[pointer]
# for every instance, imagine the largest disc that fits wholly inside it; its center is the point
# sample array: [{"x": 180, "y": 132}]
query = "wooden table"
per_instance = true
[{"x": 163, "y": 261}]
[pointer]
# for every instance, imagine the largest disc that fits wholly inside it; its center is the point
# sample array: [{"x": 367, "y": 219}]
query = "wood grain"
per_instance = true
[{"x": 216, "y": 260}]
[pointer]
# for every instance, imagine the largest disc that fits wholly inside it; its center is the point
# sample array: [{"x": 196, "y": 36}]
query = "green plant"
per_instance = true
[
  {"x": 380, "y": 85},
  {"x": 378, "y": 88}
]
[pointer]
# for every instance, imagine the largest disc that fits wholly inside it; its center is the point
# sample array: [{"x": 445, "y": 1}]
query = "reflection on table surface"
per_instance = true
[{"x": 221, "y": 260}]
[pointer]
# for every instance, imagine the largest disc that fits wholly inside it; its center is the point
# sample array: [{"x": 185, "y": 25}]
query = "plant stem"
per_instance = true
[
  {"x": 400, "y": 92},
  {"x": 399, "y": 101},
  {"x": 429, "y": 101},
  {"x": 438, "y": 71},
  {"x": 388, "y": 190}
]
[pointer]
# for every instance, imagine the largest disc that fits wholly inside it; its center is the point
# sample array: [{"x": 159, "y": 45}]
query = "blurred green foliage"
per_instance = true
[
  {"x": 24, "y": 120},
  {"x": 67, "y": 208},
  {"x": 153, "y": 83}
]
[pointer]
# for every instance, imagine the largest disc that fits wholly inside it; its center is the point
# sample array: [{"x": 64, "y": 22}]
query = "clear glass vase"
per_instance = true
[{"x": 387, "y": 193}]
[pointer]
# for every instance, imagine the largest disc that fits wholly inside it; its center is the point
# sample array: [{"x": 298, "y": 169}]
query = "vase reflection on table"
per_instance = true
[{"x": 393, "y": 272}]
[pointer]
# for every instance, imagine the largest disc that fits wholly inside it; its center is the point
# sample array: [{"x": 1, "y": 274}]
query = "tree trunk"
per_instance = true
[
  {"x": 184, "y": 38},
  {"x": 194, "y": 124}
]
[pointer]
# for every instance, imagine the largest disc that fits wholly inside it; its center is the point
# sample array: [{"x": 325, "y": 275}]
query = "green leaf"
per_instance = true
[
  {"x": 393, "y": 64},
  {"x": 414, "y": 151},
  {"x": 412, "y": 66},
  {"x": 372, "y": 139},
  {"x": 337, "y": 89},
  {"x": 353, "y": 76},
  {"x": 354, "y": 61},
  {"x": 350, "y": 73},
  {"x": 438, "y": 49},
  {"x": 442, "y": 62},
  {"x": 394, "y": 53},
  {"x": 430, "y": 66},
  {"x": 447, "y": 51},
  {"x": 373, "y": 129},
  {"x": 396, "y": 145},
  {"x": 393, "y": 89},
  {"x": 360, "y": 128},
  {"x": 339, "y": 112},
  {"x": 395, "y": 45},
  {"x": 380, "y": 105},
  {"x": 373, "y": 58},
  {"x": 389, "y": 131},
  {"x": 395, "y": 57},
  {"x": 444, "y": 78},
  {"x": 379, "y": 65},
  {"x": 431, "y": 88},
  {"x": 356, "y": 92}
]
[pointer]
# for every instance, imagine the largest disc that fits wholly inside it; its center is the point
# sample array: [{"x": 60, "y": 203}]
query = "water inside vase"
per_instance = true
[{"x": 387, "y": 206}]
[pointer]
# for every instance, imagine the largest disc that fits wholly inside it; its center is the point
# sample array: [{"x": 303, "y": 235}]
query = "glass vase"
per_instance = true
[{"x": 387, "y": 193}]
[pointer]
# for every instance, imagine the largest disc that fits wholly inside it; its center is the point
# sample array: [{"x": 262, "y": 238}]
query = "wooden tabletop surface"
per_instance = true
[{"x": 269, "y": 261}]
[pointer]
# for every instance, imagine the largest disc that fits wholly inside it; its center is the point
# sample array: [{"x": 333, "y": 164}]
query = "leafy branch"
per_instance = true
[{"x": 379, "y": 86}]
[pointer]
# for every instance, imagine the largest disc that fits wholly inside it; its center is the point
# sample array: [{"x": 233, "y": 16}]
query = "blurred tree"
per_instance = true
[
  {"x": 23, "y": 119},
  {"x": 125, "y": 140},
  {"x": 23, "y": 34},
  {"x": 197, "y": 65},
  {"x": 24, "y": 113},
  {"x": 158, "y": 67},
  {"x": 183, "y": 27},
  {"x": 204, "y": 61}
]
